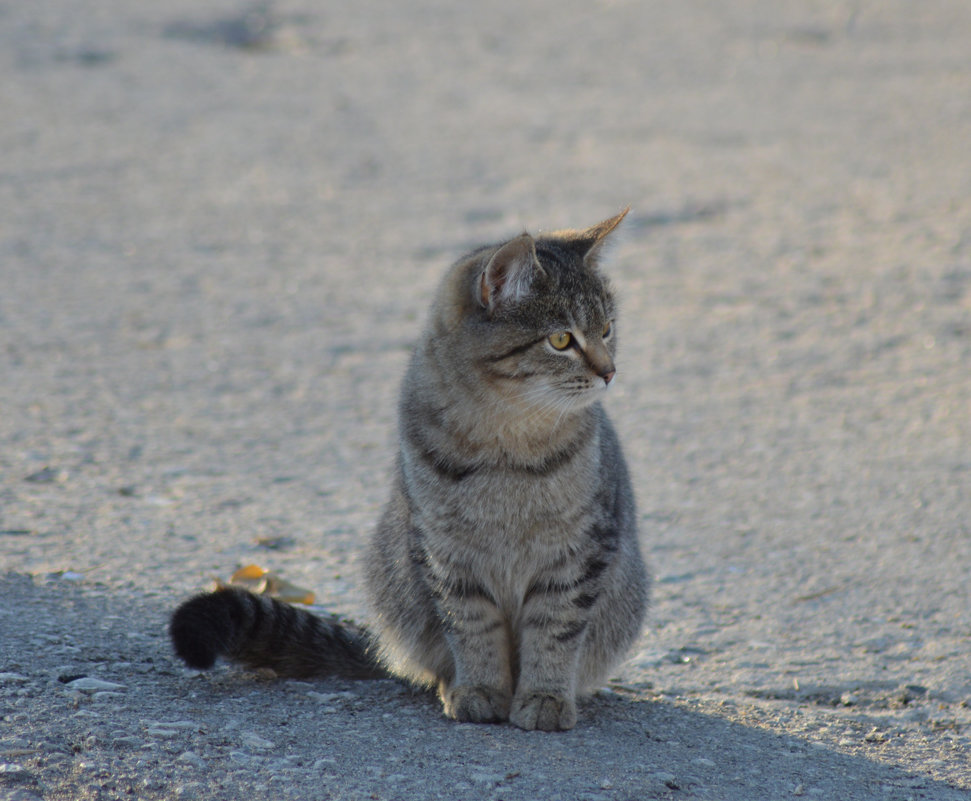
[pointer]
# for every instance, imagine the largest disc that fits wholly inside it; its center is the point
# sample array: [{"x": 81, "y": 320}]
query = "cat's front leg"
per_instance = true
[
  {"x": 481, "y": 690},
  {"x": 552, "y": 633}
]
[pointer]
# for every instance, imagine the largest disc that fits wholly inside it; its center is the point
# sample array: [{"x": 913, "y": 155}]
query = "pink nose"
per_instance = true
[{"x": 608, "y": 376}]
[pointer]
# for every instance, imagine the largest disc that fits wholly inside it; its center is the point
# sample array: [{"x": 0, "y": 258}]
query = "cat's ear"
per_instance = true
[
  {"x": 587, "y": 243},
  {"x": 510, "y": 273}
]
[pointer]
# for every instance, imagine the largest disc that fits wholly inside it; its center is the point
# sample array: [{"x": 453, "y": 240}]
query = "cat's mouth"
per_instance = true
[{"x": 563, "y": 397}]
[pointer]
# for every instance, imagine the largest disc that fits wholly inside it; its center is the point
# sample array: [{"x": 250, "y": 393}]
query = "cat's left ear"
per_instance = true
[
  {"x": 510, "y": 273},
  {"x": 589, "y": 242}
]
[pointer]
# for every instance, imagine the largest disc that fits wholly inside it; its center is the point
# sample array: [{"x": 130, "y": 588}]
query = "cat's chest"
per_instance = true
[
  {"x": 504, "y": 488},
  {"x": 511, "y": 516}
]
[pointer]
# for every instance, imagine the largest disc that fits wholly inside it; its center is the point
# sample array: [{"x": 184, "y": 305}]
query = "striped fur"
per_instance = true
[
  {"x": 505, "y": 570},
  {"x": 261, "y": 632}
]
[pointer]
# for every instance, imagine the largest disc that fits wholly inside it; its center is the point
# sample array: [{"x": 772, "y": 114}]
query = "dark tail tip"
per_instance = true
[{"x": 198, "y": 629}]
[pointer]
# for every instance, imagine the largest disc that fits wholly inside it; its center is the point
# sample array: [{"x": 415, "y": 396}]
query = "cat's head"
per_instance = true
[{"x": 538, "y": 317}]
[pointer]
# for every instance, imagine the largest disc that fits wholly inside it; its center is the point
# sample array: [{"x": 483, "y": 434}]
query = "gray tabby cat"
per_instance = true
[{"x": 505, "y": 570}]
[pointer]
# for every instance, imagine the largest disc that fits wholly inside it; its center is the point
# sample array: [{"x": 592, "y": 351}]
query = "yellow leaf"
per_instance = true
[
  {"x": 291, "y": 593},
  {"x": 249, "y": 572},
  {"x": 260, "y": 581}
]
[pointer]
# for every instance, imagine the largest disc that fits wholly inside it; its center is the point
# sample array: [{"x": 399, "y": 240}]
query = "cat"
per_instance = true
[{"x": 505, "y": 570}]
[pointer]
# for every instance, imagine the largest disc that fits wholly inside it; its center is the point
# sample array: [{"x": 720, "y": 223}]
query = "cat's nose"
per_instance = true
[{"x": 608, "y": 376}]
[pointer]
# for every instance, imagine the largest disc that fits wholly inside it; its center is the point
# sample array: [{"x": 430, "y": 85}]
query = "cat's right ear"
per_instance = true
[{"x": 510, "y": 273}]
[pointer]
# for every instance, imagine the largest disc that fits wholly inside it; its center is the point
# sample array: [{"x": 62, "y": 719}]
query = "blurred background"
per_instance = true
[{"x": 221, "y": 223}]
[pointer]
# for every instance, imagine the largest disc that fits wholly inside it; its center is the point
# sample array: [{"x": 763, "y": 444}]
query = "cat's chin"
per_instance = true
[{"x": 575, "y": 400}]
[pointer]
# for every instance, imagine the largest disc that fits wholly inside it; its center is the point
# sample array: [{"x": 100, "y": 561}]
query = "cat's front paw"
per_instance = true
[
  {"x": 477, "y": 704},
  {"x": 544, "y": 711}
]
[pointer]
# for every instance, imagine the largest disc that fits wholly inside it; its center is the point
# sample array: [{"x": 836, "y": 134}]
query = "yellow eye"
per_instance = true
[
  {"x": 561, "y": 340},
  {"x": 608, "y": 330}
]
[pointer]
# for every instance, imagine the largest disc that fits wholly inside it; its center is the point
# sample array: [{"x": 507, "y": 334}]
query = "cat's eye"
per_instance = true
[
  {"x": 561, "y": 340},
  {"x": 608, "y": 330}
]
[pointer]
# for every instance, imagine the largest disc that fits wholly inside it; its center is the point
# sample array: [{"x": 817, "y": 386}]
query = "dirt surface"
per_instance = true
[{"x": 220, "y": 225}]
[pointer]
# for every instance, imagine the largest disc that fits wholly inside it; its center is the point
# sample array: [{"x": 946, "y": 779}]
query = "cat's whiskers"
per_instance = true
[{"x": 552, "y": 401}]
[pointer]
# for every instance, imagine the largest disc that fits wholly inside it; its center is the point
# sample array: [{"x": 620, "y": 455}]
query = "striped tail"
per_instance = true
[{"x": 260, "y": 632}]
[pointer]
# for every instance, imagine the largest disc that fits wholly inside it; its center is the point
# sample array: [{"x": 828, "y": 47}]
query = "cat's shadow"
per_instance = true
[{"x": 379, "y": 739}]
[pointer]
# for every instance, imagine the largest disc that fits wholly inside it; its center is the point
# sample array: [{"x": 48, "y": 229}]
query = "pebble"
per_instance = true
[
  {"x": 158, "y": 731},
  {"x": 125, "y": 741},
  {"x": 107, "y": 695},
  {"x": 192, "y": 758},
  {"x": 703, "y": 762},
  {"x": 189, "y": 725},
  {"x": 326, "y": 698},
  {"x": 91, "y": 685},
  {"x": 21, "y": 794},
  {"x": 651, "y": 659},
  {"x": 47, "y": 475},
  {"x": 665, "y": 778},
  {"x": 482, "y": 777},
  {"x": 253, "y": 740}
]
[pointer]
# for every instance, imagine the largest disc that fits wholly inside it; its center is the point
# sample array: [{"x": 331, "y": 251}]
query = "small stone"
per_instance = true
[
  {"x": 189, "y": 792},
  {"x": 47, "y": 475},
  {"x": 482, "y": 777},
  {"x": 158, "y": 731},
  {"x": 703, "y": 762},
  {"x": 323, "y": 698},
  {"x": 326, "y": 698},
  {"x": 21, "y": 794},
  {"x": 188, "y": 725},
  {"x": 91, "y": 685},
  {"x": 107, "y": 695},
  {"x": 124, "y": 741},
  {"x": 849, "y": 699},
  {"x": 253, "y": 740},
  {"x": 192, "y": 758},
  {"x": 667, "y": 779},
  {"x": 799, "y": 789}
]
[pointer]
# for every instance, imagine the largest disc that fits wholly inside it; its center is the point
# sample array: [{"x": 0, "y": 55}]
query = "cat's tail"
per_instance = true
[{"x": 261, "y": 632}]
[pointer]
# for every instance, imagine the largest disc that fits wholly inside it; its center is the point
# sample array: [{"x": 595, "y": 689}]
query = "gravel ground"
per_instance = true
[{"x": 220, "y": 225}]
